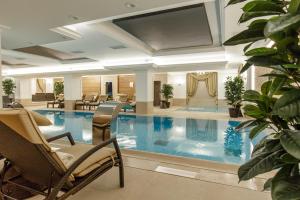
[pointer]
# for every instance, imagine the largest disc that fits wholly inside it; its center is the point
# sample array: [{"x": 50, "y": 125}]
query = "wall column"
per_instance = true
[
  {"x": 251, "y": 78},
  {"x": 24, "y": 91},
  {"x": 144, "y": 92},
  {"x": 72, "y": 90}
]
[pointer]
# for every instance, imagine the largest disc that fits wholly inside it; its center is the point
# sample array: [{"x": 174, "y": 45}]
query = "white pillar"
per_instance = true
[
  {"x": 144, "y": 92},
  {"x": 251, "y": 78},
  {"x": 72, "y": 90},
  {"x": 1, "y": 104},
  {"x": 24, "y": 91}
]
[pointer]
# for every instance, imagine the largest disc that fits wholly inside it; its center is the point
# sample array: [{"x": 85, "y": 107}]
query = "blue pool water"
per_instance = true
[{"x": 212, "y": 140}]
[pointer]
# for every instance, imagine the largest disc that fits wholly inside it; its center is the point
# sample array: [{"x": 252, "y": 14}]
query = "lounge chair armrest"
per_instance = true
[
  {"x": 82, "y": 159},
  {"x": 68, "y": 135},
  {"x": 106, "y": 125}
]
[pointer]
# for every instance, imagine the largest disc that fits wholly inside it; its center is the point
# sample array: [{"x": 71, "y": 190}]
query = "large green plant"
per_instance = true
[
  {"x": 167, "y": 91},
  {"x": 58, "y": 88},
  {"x": 277, "y": 105},
  {"x": 234, "y": 89},
  {"x": 8, "y": 86}
]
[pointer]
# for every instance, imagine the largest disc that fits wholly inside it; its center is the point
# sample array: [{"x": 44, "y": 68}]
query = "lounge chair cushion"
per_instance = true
[
  {"x": 102, "y": 119},
  {"x": 93, "y": 162},
  {"x": 24, "y": 124},
  {"x": 40, "y": 119}
]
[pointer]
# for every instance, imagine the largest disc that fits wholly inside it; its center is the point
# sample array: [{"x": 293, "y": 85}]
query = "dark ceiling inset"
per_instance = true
[
  {"x": 170, "y": 29},
  {"x": 63, "y": 57},
  {"x": 16, "y": 65}
]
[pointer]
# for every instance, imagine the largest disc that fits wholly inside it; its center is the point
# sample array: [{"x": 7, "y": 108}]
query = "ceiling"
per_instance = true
[
  {"x": 88, "y": 33},
  {"x": 170, "y": 29}
]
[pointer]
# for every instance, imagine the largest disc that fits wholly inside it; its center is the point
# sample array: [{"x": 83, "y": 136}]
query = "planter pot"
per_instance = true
[
  {"x": 235, "y": 112},
  {"x": 164, "y": 104}
]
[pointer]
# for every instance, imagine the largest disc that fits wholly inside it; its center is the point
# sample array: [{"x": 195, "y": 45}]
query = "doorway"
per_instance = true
[
  {"x": 157, "y": 96},
  {"x": 108, "y": 89}
]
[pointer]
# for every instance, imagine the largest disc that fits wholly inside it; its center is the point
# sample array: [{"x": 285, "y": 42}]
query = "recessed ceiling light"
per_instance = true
[
  {"x": 75, "y": 18},
  {"x": 130, "y": 5}
]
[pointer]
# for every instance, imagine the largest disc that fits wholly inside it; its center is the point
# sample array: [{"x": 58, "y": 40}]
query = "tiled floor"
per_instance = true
[{"x": 144, "y": 180}]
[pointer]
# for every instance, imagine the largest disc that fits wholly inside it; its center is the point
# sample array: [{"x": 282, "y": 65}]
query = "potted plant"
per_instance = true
[
  {"x": 277, "y": 105},
  {"x": 167, "y": 92},
  {"x": 58, "y": 88},
  {"x": 234, "y": 89},
  {"x": 8, "y": 86}
]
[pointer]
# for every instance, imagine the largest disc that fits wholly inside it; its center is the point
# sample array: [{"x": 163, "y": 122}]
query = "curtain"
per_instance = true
[
  {"x": 211, "y": 82},
  {"x": 41, "y": 85}
]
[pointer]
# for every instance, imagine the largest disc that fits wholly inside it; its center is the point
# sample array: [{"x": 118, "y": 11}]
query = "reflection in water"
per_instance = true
[
  {"x": 202, "y": 130},
  {"x": 194, "y": 138},
  {"x": 233, "y": 140},
  {"x": 167, "y": 123}
]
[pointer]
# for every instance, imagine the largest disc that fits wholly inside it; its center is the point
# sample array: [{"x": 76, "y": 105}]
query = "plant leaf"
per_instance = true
[
  {"x": 277, "y": 84},
  {"x": 290, "y": 140},
  {"x": 251, "y": 95},
  {"x": 258, "y": 24},
  {"x": 265, "y": 88},
  {"x": 281, "y": 23},
  {"x": 254, "y": 111},
  {"x": 254, "y": 6},
  {"x": 246, "y": 124},
  {"x": 288, "y": 158},
  {"x": 294, "y": 6},
  {"x": 267, "y": 185},
  {"x": 245, "y": 67},
  {"x": 264, "y": 61},
  {"x": 260, "y": 164},
  {"x": 247, "y": 46},
  {"x": 245, "y": 36},
  {"x": 288, "y": 105},
  {"x": 263, "y": 51},
  {"x": 231, "y": 2},
  {"x": 250, "y": 15},
  {"x": 286, "y": 189},
  {"x": 291, "y": 66},
  {"x": 258, "y": 129}
]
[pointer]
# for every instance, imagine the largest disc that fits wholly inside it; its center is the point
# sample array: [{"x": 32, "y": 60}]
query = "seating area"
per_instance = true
[
  {"x": 68, "y": 169},
  {"x": 154, "y": 100}
]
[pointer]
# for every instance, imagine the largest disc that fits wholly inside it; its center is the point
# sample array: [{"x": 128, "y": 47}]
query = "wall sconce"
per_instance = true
[
  {"x": 179, "y": 82},
  {"x": 131, "y": 84}
]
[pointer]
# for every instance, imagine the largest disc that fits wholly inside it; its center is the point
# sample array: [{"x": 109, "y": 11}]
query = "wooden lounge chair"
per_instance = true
[
  {"x": 123, "y": 98},
  {"x": 50, "y": 171},
  {"x": 58, "y": 101},
  {"x": 102, "y": 120},
  {"x": 80, "y": 103},
  {"x": 99, "y": 99}
]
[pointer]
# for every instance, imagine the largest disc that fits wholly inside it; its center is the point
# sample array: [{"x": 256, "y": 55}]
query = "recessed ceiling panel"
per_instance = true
[
  {"x": 170, "y": 29},
  {"x": 63, "y": 57}
]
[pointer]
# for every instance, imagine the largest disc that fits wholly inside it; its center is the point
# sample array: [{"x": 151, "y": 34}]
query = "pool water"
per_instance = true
[
  {"x": 212, "y": 140},
  {"x": 218, "y": 109}
]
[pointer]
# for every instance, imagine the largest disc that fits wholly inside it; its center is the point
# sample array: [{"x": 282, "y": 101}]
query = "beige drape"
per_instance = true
[
  {"x": 41, "y": 85},
  {"x": 211, "y": 82}
]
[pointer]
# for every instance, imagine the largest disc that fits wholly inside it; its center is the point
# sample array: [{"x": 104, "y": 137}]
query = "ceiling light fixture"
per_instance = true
[
  {"x": 67, "y": 33},
  {"x": 130, "y": 5}
]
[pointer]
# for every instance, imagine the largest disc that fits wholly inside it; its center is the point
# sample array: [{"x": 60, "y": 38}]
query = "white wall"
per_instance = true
[
  {"x": 178, "y": 81},
  {"x": 110, "y": 78},
  {"x": 49, "y": 85}
]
